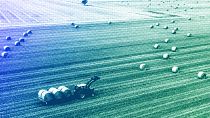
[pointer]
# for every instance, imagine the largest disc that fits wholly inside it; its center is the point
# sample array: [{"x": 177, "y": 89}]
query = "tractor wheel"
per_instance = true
[
  {"x": 92, "y": 94},
  {"x": 82, "y": 96}
]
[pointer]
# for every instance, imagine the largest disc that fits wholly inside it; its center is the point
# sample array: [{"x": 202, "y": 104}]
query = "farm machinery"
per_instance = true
[{"x": 62, "y": 93}]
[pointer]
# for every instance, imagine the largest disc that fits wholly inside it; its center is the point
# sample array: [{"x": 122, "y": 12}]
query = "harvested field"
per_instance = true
[{"x": 60, "y": 54}]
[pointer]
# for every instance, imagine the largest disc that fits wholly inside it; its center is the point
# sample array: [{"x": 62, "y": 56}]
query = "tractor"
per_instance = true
[
  {"x": 83, "y": 90},
  {"x": 62, "y": 93}
]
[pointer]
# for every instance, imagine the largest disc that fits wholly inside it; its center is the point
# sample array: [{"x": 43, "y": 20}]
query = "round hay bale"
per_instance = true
[
  {"x": 172, "y": 21},
  {"x": 29, "y": 32},
  {"x": 17, "y": 43},
  {"x": 174, "y": 48},
  {"x": 73, "y": 24},
  {"x": 175, "y": 69},
  {"x": 76, "y": 26},
  {"x": 4, "y": 54},
  {"x": 7, "y": 48},
  {"x": 57, "y": 94},
  {"x": 173, "y": 31},
  {"x": 189, "y": 34},
  {"x": 166, "y": 40},
  {"x": 8, "y": 38},
  {"x": 151, "y": 26},
  {"x": 176, "y": 28},
  {"x": 165, "y": 56},
  {"x": 25, "y": 34},
  {"x": 142, "y": 66},
  {"x": 21, "y": 40},
  {"x": 156, "y": 46},
  {"x": 45, "y": 96},
  {"x": 202, "y": 75},
  {"x": 165, "y": 27},
  {"x": 66, "y": 91}
]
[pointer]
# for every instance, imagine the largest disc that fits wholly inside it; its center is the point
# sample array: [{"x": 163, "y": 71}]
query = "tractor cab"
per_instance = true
[
  {"x": 81, "y": 85},
  {"x": 83, "y": 90}
]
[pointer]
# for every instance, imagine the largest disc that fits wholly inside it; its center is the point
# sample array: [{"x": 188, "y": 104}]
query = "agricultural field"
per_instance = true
[{"x": 56, "y": 53}]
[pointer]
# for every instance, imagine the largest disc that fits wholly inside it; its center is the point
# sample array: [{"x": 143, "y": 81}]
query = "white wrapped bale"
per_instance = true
[
  {"x": 142, "y": 66},
  {"x": 25, "y": 34},
  {"x": 29, "y": 32},
  {"x": 176, "y": 28},
  {"x": 189, "y": 34},
  {"x": 166, "y": 40},
  {"x": 57, "y": 94},
  {"x": 4, "y": 54},
  {"x": 8, "y": 38},
  {"x": 201, "y": 75},
  {"x": 156, "y": 46},
  {"x": 45, "y": 96},
  {"x": 66, "y": 91},
  {"x": 76, "y": 26},
  {"x": 173, "y": 31},
  {"x": 172, "y": 21},
  {"x": 40, "y": 93},
  {"x": 175, "y": 69},
  {"x": 174, "y": 48},
  {"x": 157, "y": 24},
  {"x": 151, "y": 26},
  {"x": 7, "y": 48},
  {"x": 165, "y": 27},
  {"x": 21, "y": 40},
  {"x": 17, "y": 43},
  {"x": 165, "y": 56}
]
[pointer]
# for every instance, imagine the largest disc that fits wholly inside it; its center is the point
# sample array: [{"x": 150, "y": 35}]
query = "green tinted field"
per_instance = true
[{"x": 62, "y": 55}]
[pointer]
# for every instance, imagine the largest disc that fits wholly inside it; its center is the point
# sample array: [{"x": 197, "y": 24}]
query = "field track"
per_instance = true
[{"x": 57, "y": 55}]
